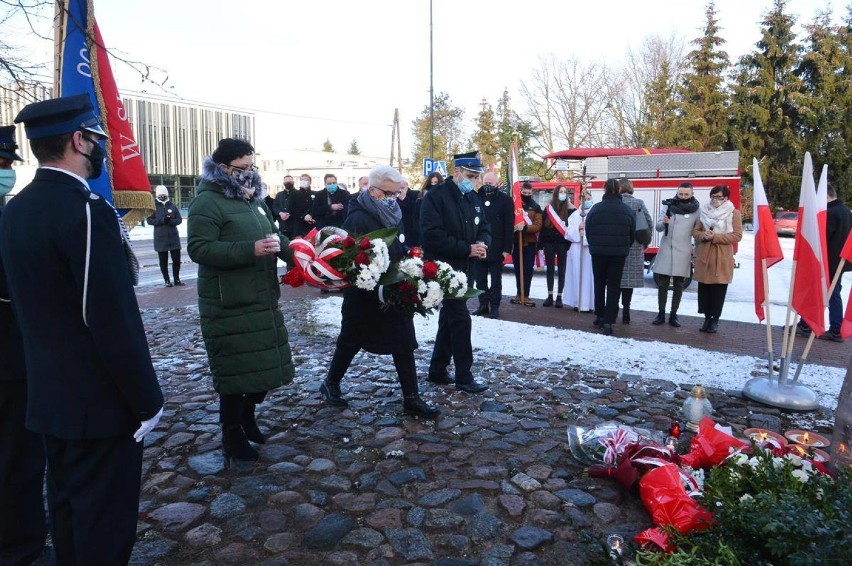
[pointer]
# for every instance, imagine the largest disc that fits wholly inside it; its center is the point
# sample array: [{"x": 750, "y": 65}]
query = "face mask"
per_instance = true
[
  {"x": 162, "y": 198},
  {"x": 526, "y": 198},
  {"x": 289, "y": 186},
  {"x": 563, "y": 198},
  {"x": 331, "y": 188},
  {"x": 304, "y": 184},
  {"x": 588, "y": 204},
  {"x": 244, "y": 178},
  {"x": 7, "y": 181},
  {"x": 466, "y": 186},
  {"x": 489, "y": 189},
  {"x": 96, "y": 159},
  {"x": 389, "y": 203}
]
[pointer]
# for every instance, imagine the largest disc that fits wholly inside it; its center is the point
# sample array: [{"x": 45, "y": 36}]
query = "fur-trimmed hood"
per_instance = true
[{"x": 211, "y": 173}]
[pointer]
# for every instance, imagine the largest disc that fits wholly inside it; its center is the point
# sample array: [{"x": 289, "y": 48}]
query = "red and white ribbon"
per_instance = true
[
  {"x": 313, "y": 254},
  {"x": 614, "y": 444},
  {"x": 556, "y": 221}
]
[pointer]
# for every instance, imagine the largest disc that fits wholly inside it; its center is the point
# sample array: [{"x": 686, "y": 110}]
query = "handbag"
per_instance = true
[{"x": 642, "y": 234}]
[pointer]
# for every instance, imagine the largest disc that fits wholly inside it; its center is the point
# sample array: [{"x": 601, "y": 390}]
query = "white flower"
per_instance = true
[
  {"x": 797, "y": 461},
  {"x": 801, "y": 475},
  {"x": 365, "y": 279},
  {"x": 739, "y": 459},
  {"x": 412, "y": 267},
  {"x": 434, "y": 295},
  {"x": 746, "y": 498},
  {"x": 421, "y": 287}
]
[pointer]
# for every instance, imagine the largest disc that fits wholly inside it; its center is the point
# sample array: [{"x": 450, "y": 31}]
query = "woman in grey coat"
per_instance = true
[
  {"x": 633, "y": 275},
  {"x": 674, "y": 259}
]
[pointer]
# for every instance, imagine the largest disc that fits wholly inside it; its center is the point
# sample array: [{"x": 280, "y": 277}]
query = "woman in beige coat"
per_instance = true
[{"x": 718, "y": 228}]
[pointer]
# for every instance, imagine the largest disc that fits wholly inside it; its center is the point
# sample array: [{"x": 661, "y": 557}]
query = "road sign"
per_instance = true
[{"x": 431, "y": 166}]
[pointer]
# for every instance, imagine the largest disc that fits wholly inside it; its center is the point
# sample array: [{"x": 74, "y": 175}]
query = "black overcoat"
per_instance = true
[
  {"x": 11, "y": 344},
  {"x": 500, "y": 214},
  {"x": 364, "y": 323},
  {"x": 165, "y": 221},
  {"x": 450, "y": 222},
  {"x": 321, "y": 210},
  {"x": 610, "y": 226},
  {"x": 300, "y": 205},
  {"x": 89, "y": 371}
]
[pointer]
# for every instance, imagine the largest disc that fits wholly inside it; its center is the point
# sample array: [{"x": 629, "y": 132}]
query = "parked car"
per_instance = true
[{"x": 786, "y": 222}]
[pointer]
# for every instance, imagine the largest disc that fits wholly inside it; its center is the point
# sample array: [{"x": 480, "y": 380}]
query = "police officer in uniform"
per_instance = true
[
  {"x": 454, "y": 229},
  {"x": 92, "y": 389},
  {"x": 23, "y": 527}
]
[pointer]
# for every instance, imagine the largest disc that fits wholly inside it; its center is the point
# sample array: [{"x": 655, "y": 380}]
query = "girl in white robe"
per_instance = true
[{"x": 580, "y": 295}]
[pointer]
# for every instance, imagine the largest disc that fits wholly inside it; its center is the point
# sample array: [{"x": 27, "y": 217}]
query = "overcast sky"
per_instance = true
[{"x": 352, "y": 62}]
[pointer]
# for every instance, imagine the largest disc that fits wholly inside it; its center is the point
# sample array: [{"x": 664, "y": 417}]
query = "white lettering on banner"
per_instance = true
[
  {"x": 120, "y": 111},
  {"x": 84, "y": 67},
  {"x": 129, "y": 150}
]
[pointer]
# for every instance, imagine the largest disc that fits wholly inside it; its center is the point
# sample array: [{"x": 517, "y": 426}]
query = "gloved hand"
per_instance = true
[{"x": 147, "y": 426}]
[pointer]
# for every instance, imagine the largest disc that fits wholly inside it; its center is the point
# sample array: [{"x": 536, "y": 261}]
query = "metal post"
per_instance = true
[{"x": 431, "y": 91}]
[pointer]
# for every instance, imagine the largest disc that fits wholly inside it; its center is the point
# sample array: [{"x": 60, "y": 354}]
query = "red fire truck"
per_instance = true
[{"x": 656, "y": 174}]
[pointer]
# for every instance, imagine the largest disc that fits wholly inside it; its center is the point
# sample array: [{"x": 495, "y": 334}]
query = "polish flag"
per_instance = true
[
  {"x": 846, "y": 327},
  {"x": 766, "y": 244},
  {"x": 516, "y": 186},
  {"x": 822, "y": 218},
  {"x": 809, "y": 286}
]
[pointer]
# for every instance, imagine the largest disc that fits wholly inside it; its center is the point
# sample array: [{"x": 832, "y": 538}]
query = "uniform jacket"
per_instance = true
[
  {"x": 500, "y": 214},
  {"x": 165, "y": 221},
  {"x": 364, "y": 323},
  {"x": 11, "y": 343},
  {"x": 321, "y": 208},
  {"x": 675, "y": 249},
  {"x": 281, "y": 203},
  {"x": 633, "y": 275},
  {"x": 450, "y": 222},
  {"x": 610, "y": 225},
  {"x": 300, "y": 205},
  {"x": 241, "y": 323},
  {"x": 714, "y": 260},
  {"x": 837, "y": 226},
  {"x": 89, "y": 371},
  {"x": 530, "y": 231}
]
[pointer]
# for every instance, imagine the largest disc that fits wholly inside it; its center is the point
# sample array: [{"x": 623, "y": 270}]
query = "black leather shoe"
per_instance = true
[
  {"x": 558, "y": 302},
  {"x": 607, "y": 329},
  {"x": 548, "y": 302},
  {"x": 472, "y": 386},
  {"x": 804, "y": 332},
  {"x": 417, "y": 407},
  {"x": 661, "y": 318},
  {"x": 235, "y": 444},
  {"x": 674, "y": 321},
  {"x": 495, "y": 312},
  {"x": 439, "y": 378},
  {"x": 169, "y": 284},
  {"x": 180, "y": 284},
  {"x": 713, "y": 327},
  {"x": 625, "y": 316},
  {"x": 706, "y": 324},
  {"x": 332, "y": 394},
  {"x": 482, "y": 310},
  {"x": 598, "y": 321}
]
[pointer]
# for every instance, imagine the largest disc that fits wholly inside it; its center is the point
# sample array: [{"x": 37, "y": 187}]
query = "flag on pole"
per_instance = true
[
  {"x": 766, "y": 244},
  {"x": 809, "y": 286},
  {"x": 846, "y": 326},
  {"x": 515, "y": 184},
  {"x": 822, "y": 219},
  {"x": 82, "y": 66}
]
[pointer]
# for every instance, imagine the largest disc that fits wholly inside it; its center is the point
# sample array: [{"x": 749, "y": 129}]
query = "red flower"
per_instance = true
[
  {"x": 406, "y": 287},
  {"x": 416, "y": 251},
  {"x": 364, "y": 244},
  {"x": 430, "y": 270},
  {"x": 294, "y": 277},
  {"x": 348, "y": 242},
  {"x": 362, "y": 258}
]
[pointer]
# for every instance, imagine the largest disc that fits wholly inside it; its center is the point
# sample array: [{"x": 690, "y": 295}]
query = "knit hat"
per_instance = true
[{"x": 161, "y": 190}]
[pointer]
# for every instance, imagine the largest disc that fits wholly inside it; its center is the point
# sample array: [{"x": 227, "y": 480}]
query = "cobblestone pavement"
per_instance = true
[{"x": 490, "y": 482}]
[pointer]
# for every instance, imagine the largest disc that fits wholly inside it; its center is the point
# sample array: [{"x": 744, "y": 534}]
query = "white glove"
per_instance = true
[{"x": 147, "y": 426}]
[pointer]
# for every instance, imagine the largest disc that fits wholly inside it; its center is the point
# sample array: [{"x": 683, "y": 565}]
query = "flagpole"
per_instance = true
[
  {"x": 766, "y": 312},
  {"x": 521, "y": 266},
  {"x": 58, "y": 40},
  {"x": 788, "y": 330},
  {"x": 811, "y": 338}
]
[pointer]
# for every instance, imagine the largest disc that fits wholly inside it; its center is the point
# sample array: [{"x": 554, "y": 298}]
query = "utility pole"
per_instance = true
[
  {"x": 396, "y": 142},
  {"x": 431, "y": 91}
]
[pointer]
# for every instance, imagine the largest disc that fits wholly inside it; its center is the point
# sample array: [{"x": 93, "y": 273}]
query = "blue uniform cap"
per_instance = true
[
  {"x": 469, "y": 161},
  {"x": 59, "y": 116},
  {"x": 8, "y": 145}
]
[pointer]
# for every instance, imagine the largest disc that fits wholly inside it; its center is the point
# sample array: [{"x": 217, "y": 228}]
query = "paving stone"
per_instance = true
[
  {"x": 525, "y": 482},
  {"x": 227, "y": 505},
  {"x": 410, "y": 543},
  {"x": 356, "y": 502},
  {"x": 440, "y": 497},
  {"x": 280, "y": 542},
  {"x": 384, "y": 518},
  {"x": 203, "y": 535},
  {"x": 177, "y": 516},
  {"x": 328, "y": 532},
  {"x": 513, "y": 504},
  {"x": 576, "y": 497},
  {"x": 485, "y": 527},
  {"x": 530, "y": 538},
  {"x": 407, "y": 476},
  {"x": 207, "y": 464},
  {"x": 442, "y": 519},
  {"x": 363, "y": 538},
  {"x": 321, "y": 465},
  {"x": 468, "y": 505},
  {"x": 606, "y": 512}
]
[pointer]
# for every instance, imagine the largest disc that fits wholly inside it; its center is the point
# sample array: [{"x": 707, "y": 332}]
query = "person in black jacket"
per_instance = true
[
  {"x": 366, "y": 325},
  {"x": 500, "y": 214},
  {"x": 300, "y": 207},
  {"x": 329, "y": 206},
  {"x": 407, "y": 200},
  {"x": 553, "y": 243},
  {"x": 610, "y": 226},
  {"x": 90, "y": 379},
  {"x": 454, "y": 229},
  {"x": 165, "y": 220},
  {"x": 281, "y": 207},
  {"x": 838, "y": 224}
]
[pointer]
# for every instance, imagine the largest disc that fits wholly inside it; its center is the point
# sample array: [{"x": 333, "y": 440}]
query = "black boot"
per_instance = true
[
  {"x": 706, "y": 324},
  {"x": 548, "y": 302},
  {"x": 558, "y": 302},
  {"x": 674, "y": 320},
  {"x": 481, "y": 310},
  {"x": 169, "y": 283},
  {"x": 713, "y": 327},
  {"x": 607, "y": 329},
  {"x": 415, "y": 406},
  {"x": 236, "y": 445},
  {"x": 625, "y": 314},
  {"x": 661, "y": 318},
  {"x": 332, "y": 394},
  {"x": 249, "y": 424}
]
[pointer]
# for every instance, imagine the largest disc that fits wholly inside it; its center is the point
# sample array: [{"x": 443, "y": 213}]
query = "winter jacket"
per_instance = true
[
  {"x": 365, "y": 324},
  {"x": 549, "y": 233},
  {"x": 407, "y": 205},
  {"x": 837, "y": 227},
  {"x": 530, "y": 231},
  {"x": 714, "y": 260},
  {"x": 500, "y": 214},
  {"x": 281, "y": 203},
  {"x": 322, "y": 212},
  {"x": 241, "y": 322},
  {"x": 11, "y": 343},
  {"x": 610, "y": 225},
  {"x": 450, "y": 222},
  {"x": 633, "y": 275},
  {"x": 674, "y": 256},
  {"x": 301, "y": 202},
  {"x": 165, "y": 221}
]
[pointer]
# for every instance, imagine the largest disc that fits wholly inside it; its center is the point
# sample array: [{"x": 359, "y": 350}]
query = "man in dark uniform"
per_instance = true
[
  {"x": 500, "y": 214},
  {"x": 90, "y": 380},
  {"x": 23, "y": 527},
  {"x": 454, "y": 229}
]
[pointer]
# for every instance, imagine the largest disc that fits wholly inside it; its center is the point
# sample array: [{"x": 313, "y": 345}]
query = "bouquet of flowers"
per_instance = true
[
  {"x": 417, "y": 286},
  {"x": 330, "y": 258}
]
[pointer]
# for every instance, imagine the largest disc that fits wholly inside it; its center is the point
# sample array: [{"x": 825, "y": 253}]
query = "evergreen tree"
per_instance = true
[
  {"x": 353, "y": 148},
  {"x": 447, "y": 131},
  {"x": 661, "y": 115},
  {"x": 766, "y": 106},
  {"x": 485, "y": 137},
  {"x": 703, "y": 113},
  {"x": 510, "y": 124},
  {"x": 326, "y": 146}
]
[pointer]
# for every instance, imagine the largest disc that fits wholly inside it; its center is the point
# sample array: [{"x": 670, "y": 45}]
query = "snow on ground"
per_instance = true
[{"x": 684, "y": 365}]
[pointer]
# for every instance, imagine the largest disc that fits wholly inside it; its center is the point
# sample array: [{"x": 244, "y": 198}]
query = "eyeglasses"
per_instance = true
[
  {"x": 388, "y": 194},
  {"x": 718, "y": 197},
  {"x": 248, "y": 169}
]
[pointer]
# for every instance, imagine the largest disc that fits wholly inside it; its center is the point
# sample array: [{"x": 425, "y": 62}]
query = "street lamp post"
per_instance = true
[{"x": 431, "y": 91}]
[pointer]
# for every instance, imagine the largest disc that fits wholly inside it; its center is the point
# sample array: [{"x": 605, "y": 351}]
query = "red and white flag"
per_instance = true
[
  {"x": 809, "y": 285},
  {"x": 822, "y": 218},
  {"x": 516, "y": 186},
  {"x": 846, "y": 326},
  {"x": 557, "y": 222},
  {"x": 766, "y": 244}
]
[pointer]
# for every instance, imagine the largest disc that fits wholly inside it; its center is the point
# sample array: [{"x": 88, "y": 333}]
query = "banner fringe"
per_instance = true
[{"x": 139, "y": 205}]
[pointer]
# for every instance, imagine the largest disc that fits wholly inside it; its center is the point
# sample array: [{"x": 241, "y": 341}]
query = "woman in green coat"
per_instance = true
[{"x": 234, "y": 242}]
